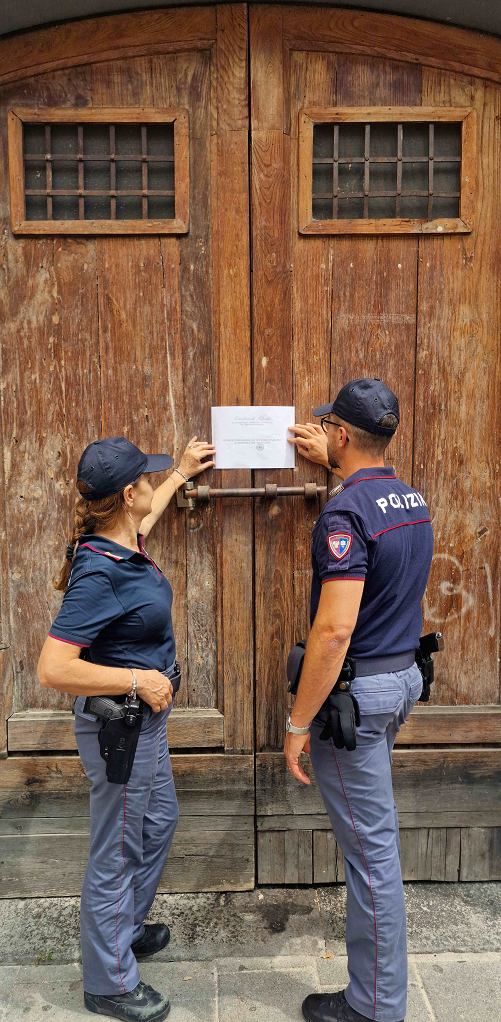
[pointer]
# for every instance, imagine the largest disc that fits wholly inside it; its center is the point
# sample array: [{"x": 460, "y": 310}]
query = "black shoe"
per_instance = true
[
  {"x": 155, "y": 937},
  {"x": 143, "y": 1004},
  {"x": 330, "y": 1008}
]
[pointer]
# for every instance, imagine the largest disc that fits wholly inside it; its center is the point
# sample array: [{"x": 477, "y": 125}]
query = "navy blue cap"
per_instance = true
[
  {"x": 106, "y": 466},
  {"x": 364, "y": 403}
]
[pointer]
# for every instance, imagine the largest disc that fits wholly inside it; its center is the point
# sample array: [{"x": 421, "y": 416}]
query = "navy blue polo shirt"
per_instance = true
[
  {"x": 377, "y": 530},
  {"x": 117, "y": 605}
]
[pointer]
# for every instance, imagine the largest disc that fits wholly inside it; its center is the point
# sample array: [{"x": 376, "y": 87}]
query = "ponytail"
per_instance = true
[{"x": 89, "y": 516}]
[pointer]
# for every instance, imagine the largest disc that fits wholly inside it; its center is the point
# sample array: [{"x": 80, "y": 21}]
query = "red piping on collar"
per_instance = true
[
  {"x": 104, "y": 553},
  {"x": 363, "y": 478},
  {"x": 115, "y": 557}
]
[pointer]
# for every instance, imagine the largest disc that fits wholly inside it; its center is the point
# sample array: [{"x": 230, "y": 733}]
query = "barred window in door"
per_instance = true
[
  {"x": 99, "y": 171},
  {"x": 386, "y": 170}
]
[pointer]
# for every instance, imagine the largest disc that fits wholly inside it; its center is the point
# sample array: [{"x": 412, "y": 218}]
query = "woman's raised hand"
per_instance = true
[
  {"x": 311, "y": 442},
  {"x": 191, "y": 463},
  {"x": 155, "y": 689}
]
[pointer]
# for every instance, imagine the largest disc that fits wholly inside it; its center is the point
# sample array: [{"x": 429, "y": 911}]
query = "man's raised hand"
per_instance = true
[{"x": 311, "y": 442}]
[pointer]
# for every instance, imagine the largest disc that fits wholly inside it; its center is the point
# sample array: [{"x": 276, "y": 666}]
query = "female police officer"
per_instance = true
[{"x": 113, "y": 637}]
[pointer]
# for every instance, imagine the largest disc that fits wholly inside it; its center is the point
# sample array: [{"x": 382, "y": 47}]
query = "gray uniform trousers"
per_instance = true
[
  {"x": 357, "y": 791},
  {"x": 131, "y": 830}
]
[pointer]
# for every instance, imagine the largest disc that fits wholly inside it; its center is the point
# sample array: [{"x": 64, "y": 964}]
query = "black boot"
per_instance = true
[
  {"x": 330, "y": 1008},
  {"x": 155, "y": 937},
  {"x": 143, "y": 1004}
]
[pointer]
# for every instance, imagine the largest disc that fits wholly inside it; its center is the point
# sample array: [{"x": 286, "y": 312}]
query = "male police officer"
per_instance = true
[{"x": 371, "y": 554}]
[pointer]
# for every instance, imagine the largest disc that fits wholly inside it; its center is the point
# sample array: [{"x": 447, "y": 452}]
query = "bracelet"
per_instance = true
[
  {"x": 133, "y": 692},
  {"x": 182, "y": 474}
]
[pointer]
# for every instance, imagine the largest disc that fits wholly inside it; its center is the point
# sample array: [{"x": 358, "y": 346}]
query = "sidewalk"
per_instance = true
[
  {"x": 442, "y": 988},
  {"x": 211, "y": 971}
]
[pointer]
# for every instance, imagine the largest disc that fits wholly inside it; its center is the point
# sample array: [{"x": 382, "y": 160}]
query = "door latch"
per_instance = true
[{"x": 189, "y": 493}]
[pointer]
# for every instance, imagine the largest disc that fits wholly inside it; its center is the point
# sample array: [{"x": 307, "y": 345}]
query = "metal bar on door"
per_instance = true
[{"x": 188, "y": 494}]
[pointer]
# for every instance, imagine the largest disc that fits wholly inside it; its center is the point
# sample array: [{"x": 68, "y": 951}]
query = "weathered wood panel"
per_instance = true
[
  {"x": 425, "y": 855},
  {"x": 325, "y": 856},
  {"x": 458, "y": 372},
  {"x": 481, "y": 854},
  {"x": 198, "y": 369},
  {"x": 374, "y": 280},
  {"x": 312, "y": 80},
  {"x": 105, "y": 38},
  {"x": 267, "y": 78},
  {"x": 431, "y": 780},
  {"x": 144, "y": 32},
  {"x": 49, "y": 859},
  {"x": 152, "y": 341},
  {"x": 450, "y": 819},
  {"x": 398, "y": 38},
  {"x": 272, "y": 357},
  {"x": 230, "y": 206},
  {"x": 56, "y": 786},
  {"x": 50, "y": 369},
  {"x": 431, "y": 854},
  {"x": 52, "y": 730},
  {"x": 451, "y": 725},
  {"x": 5, "y": 643},
  {"x": 285, "y": 858}
]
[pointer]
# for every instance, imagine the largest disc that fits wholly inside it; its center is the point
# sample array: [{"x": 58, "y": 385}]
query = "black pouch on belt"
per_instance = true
[
  {"x": 340, "y": 713},
  {"x": 118, "y": 740}
]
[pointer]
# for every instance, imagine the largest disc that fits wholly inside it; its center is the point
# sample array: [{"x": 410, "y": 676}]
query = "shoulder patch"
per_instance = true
[{"x": 339, "y": 544}]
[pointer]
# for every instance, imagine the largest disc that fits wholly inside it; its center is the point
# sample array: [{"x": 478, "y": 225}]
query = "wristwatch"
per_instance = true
[{"x": 295, "y": 730}]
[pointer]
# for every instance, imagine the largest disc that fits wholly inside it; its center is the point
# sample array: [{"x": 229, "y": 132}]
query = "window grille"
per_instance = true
[
  {"x": 400, "y": 173},
  {"x": 100, "y": 174}
]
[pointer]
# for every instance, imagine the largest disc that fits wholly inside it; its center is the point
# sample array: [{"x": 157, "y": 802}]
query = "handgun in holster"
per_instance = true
[
  {"x": 340, "y": 713},
  {"x": 118, "y": 740},
  {"x": 119, "y": 733},
  {"x": 428, "y": 644}
]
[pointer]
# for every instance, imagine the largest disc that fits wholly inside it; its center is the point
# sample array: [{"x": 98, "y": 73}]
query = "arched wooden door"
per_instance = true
[
  {"x": 140, "y": 329},
  {"x": 130, "y": 326},
  {"x": 333, "y": 301}
]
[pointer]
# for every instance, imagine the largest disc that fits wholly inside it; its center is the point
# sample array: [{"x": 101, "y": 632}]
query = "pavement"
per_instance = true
[
  {"x": 253, "y": 956},
  {"x": 442, "y": 987}
]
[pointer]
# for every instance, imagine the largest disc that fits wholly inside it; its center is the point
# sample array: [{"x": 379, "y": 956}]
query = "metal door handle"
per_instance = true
[{"x": 189, "y": 493}]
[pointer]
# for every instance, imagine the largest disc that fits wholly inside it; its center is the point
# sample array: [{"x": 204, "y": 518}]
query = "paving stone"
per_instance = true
[
  {"x": 333, "y": 973},
  {"x": 265, "y": 995},
  {"x": 190, "y": 986},
  {"x": 44, "y": 993},
  {"x": 465, "y": 989}
]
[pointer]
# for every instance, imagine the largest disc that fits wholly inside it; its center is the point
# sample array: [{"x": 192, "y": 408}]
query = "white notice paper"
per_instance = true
[{"x": 253, "y": 437}]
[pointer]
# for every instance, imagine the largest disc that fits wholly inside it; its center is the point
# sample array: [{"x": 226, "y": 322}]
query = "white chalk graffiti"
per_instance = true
[{"x": 455, "y": 586}]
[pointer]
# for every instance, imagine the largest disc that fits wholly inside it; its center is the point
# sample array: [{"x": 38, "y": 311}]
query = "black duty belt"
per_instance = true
[
  {"x": 119, "y": 734},
  {"x": 381, "y": 664},
  {"x": 340, "y": 712}
]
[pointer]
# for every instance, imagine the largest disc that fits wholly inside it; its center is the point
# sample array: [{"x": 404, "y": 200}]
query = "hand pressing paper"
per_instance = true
[{"x": 252, "y": 437}]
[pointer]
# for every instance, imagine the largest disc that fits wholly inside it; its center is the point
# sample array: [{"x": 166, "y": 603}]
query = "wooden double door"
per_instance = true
[{"x": 140, "y": 334}]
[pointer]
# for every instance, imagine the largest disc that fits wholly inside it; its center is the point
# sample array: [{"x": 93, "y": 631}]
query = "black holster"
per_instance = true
[
  {"x": 118, "y": 740},
  {"x": 340, "y": 713},
  {"x": 428, "y": 644}
]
